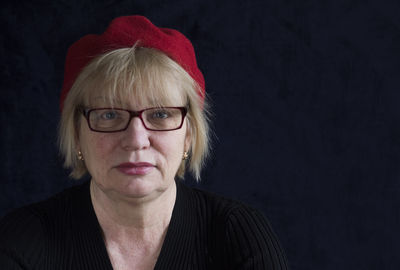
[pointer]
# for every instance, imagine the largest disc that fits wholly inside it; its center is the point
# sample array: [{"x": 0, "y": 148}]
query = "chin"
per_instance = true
[{"x": 140, "y": 187}]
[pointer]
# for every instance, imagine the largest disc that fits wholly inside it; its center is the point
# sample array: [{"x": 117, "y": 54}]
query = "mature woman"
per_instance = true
[{"x": 134, "y": 117}]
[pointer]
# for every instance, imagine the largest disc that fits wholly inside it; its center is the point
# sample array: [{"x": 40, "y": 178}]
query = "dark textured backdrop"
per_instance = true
[{"x": 305, "y": 98}]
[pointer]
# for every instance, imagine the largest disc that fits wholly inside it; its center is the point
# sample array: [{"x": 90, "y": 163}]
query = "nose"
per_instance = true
[{"x": 136, "y": 136}]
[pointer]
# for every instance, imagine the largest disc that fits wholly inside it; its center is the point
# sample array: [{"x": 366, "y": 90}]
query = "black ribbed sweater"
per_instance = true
[{"x": 206, "y": 232}]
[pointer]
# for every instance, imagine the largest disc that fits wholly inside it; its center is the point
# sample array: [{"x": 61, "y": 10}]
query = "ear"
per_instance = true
[
  {"x": 77, "y": 137},
  {"x": 188, "y": 139}
]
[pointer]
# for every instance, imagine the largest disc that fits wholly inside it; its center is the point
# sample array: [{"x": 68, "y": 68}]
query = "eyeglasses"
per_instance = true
[{"x": 115, "y": 119}]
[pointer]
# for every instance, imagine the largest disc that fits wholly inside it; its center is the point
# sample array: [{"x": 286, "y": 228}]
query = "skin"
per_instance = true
[{"x": 133, "y": 210}]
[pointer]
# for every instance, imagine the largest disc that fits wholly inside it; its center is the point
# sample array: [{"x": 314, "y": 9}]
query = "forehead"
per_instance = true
[
  {"x": 131, "y": 101},
  {"x": 136, "y": 93}
]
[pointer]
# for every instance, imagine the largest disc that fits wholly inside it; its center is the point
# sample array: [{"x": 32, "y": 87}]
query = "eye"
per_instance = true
[
  {"x": 160, "y": 114},
  {"x": 109, "y": 115}
]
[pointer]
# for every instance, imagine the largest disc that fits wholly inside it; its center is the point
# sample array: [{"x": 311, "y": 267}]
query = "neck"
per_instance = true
[
  {"x": 132, "y": 214},
  {"x": 133, "y": 229}
]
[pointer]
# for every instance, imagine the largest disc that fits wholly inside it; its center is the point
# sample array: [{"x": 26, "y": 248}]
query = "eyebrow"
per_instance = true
[
  {"x": 117, "y": 103},
  {"x": 105, "y": 99}
]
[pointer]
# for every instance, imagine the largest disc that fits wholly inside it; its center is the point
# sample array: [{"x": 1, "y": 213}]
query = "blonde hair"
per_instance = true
[{"x": 136, "y": 73}]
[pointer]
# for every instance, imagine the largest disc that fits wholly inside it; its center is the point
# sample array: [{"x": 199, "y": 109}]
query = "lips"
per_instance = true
[{"x": 135, "y": 168}]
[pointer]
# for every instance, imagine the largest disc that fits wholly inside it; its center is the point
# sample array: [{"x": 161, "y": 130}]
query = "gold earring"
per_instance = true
[
  {"x": 185, "y": 156},
  {"x": 80, "y": 156}
]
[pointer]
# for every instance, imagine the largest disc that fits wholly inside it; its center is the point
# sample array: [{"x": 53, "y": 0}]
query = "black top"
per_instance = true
[{"x": 206, "y": 232}]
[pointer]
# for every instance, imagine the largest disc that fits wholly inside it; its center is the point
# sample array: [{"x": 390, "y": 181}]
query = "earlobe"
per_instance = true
[{"x": 80, "y": 156}]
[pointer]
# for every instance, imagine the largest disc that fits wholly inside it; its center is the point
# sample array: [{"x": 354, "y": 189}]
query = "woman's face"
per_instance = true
[{"x": 135, "y": 163}]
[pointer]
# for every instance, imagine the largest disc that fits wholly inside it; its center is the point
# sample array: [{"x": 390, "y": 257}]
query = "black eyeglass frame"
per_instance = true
[{"x": 86, "y": 113}]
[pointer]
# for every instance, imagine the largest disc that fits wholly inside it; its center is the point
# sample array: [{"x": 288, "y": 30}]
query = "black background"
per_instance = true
[{"x": 305, "y": 98}]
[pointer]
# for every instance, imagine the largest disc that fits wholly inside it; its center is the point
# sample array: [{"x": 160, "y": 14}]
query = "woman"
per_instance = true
[{"x": 134, "y": 117}]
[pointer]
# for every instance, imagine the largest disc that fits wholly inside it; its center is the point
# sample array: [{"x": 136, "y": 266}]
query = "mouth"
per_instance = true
[{"x": 135, "y": 168}]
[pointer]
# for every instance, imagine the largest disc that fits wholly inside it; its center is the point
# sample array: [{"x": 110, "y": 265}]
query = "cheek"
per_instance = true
[
  {"x": 171, "y": 149},
  {"x": 96, "y": 150}
]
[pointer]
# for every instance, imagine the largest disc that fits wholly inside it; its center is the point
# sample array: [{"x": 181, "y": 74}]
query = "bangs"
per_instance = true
[{"x": 145, "y": 79}]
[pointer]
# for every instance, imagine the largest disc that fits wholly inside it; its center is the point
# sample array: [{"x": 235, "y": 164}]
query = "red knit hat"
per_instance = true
[{"x": 124, "y": 32}]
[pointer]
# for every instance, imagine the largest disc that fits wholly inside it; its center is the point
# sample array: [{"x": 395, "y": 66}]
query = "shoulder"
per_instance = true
[
  {"x": 226, "y": 210},
  {"x": 40, "y": 211},
  {"x": 24, "y": 232},
  {"x": 240, "y": 236}
]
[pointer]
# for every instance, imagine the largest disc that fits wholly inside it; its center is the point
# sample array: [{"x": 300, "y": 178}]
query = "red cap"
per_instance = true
[{"x": 124, "y": 32}]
